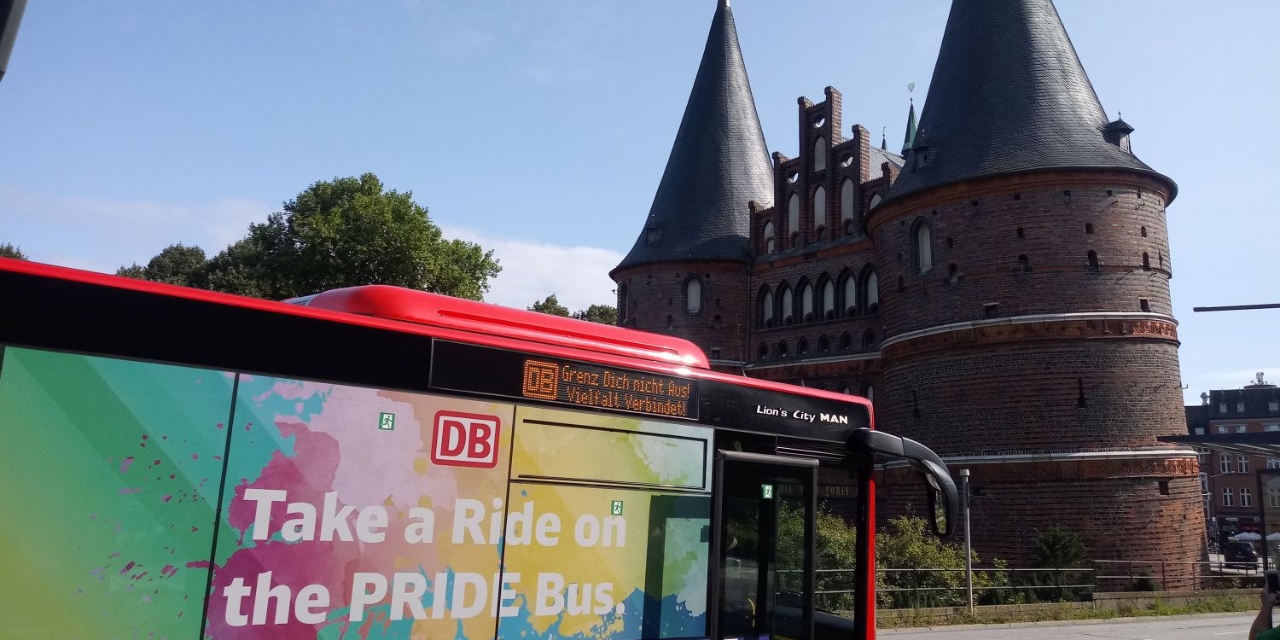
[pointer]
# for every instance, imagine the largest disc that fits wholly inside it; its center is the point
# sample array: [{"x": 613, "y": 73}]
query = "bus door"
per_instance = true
[{"x": 763, "y": 547}]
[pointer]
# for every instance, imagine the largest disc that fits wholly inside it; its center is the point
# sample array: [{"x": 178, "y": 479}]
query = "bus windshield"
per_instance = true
[{"x": 196, "y": 465}]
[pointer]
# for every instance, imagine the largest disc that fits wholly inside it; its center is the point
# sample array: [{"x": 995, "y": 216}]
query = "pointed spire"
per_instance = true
[
  {"x": 909, "y": 139},
  {"x": 1009, "y": 95},
  {"x": 718, "y": 163},
  {"x": 884, "y": 140}
]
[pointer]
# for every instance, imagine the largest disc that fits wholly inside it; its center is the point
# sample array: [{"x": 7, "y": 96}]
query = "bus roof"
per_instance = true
[
  {"x": 435, "y": 310},
  {"x": 70, "y": 310}
]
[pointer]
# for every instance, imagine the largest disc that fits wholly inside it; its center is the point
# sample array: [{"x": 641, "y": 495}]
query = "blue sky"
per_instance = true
[{"x": 540, "y": 129}]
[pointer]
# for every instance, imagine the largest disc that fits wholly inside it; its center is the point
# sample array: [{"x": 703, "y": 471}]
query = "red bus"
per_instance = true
[{"x": 384, "y": 463}]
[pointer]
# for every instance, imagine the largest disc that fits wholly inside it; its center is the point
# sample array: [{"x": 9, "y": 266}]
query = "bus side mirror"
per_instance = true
[{"x": 943, "y": 498}]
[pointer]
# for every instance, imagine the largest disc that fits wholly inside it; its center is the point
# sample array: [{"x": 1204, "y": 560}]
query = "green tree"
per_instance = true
[
  {"x": 341, "y": 233},
  {"x": 917, "y": 569},
  {"x": 598, "y": 313},
  {"x": 550, "y": 306},
  {"x": 1059, "y": 549},
  {"x": 9, "y": 251},
  {"x": 176, "y": 264}
]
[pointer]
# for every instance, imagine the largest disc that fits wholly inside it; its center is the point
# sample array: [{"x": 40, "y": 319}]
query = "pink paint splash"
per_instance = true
[
  {"x": 125, "y": 464},
  {"x": 129, "y": 490},
  {"x": 167, "y": 497},
  {"x": 127, "y": 567}
]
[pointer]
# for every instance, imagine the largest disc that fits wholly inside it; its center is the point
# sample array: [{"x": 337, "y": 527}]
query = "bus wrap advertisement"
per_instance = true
[{"x": 345, "y": 512}]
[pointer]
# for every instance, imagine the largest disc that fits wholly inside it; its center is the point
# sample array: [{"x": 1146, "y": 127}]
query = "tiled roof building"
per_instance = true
[{"x": 1000, "y": 290}]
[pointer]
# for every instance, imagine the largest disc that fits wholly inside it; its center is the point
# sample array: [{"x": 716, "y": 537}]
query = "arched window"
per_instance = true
[
  {"x": 770, "y": 239},
  {"x": 671, "y": 323},
  {"x": 850, "y": 295},
  {"x": 820, "y": 154},
  {"x": 819, "y": 208},
  {"x": 692, "y": 295},
  {"x": 824, "y": 343},
  {"x": 782, "y": 349},
  {"x": 868, "y": 339},
  {"x": 844, "y": 388},
  {"x": 793, "y": 219},
  {"x": 846, "y": 201},
  {"x": 622, "y": 302},
  {"x": 766, "y": 308},
  {"x": 869, "y": 392},
  {"x": 829, "y": 300},
  {"x": 1146, "y": 261},
  {"x": 846, "y": 341},
  {"x": 875, "y": 200},
  {"x": 1093, "y": 260},
  {"x": 806, "y": 302},
  {"x": 788, "y": 306},
  {"x": 871, "y": 291},
  {"x": 802, "y": 346},
  {"x": 922, "y": 241},
  {"x": 763, "y": 352}
]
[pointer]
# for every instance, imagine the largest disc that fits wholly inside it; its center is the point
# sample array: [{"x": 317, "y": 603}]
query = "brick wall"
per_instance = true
[
  {"x": 980, "y": 238},
  {"x": 1118, "y": 506},
  {"x": 656, "y": 303}
]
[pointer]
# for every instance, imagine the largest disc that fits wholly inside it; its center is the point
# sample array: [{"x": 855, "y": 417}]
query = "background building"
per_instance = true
[
  {"x": 1228, "y": 479},
  {"x": 1000, "y": 288}
]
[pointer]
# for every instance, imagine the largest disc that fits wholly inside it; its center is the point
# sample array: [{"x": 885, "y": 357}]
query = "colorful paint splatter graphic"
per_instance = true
[{"x": 345, "y": 512}]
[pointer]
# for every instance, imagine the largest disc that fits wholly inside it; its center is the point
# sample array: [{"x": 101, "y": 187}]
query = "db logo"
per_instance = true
[{"x": 465, "y": 440}]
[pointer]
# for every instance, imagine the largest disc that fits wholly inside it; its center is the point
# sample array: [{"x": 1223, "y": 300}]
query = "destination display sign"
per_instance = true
[{"x": 490, "y": 371}]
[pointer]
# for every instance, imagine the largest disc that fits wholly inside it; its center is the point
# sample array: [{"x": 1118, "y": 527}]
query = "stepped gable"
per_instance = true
[
  {"x": 1009, "y": 95},
  {"x": 718, "y": 164}
]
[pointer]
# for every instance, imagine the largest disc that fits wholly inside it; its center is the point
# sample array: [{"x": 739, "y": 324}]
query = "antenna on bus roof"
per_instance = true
[{"x": 10, "y": 16}]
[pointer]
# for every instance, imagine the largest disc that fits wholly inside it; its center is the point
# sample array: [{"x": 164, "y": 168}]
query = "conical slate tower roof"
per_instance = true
[
  {"x": 1008, "y": 95},
  {"x": 718, "y": 164},
  {"x": 909, "y": 138}
]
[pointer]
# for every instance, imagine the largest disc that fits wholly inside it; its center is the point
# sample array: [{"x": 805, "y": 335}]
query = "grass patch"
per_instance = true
[{"x": 1219, "y": 604}]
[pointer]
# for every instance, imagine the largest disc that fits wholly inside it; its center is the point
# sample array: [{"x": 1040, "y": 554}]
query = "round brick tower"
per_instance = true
[
  {"x": 1025, "y": 269},
  {"x": 688, "y": 271}
]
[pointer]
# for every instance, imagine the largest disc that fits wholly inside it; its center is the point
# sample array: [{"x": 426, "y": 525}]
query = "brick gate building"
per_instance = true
[{"x": 1000, "y": 288}]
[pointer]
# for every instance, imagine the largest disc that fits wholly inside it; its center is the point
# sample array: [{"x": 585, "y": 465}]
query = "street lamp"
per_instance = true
[{"x": 968, "y": 553}]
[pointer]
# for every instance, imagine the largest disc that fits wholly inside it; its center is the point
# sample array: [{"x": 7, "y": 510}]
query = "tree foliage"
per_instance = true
[
  {"x": 550, "y": 306},
  {"x": 341, "y": 233},
  {"x": 909, "y": 545},
  {"x": 176, "y": 264},
  {"x": 10, "y": 251},
  {"x": 598, "y": 313}
]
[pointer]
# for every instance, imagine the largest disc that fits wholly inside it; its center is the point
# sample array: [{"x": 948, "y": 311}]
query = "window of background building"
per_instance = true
[
  {"x": 1204, "y": 483},
  {"x": 693, "y": 296},
  {"x": 1239, "y": 407},
  {"x": 1222, "y": 408},
  {"x": 1273, "y": 463},
  {"x": 1242, "y": 462},
  {"x": 1199, "y": 431},
  {"x": 1273, "y": 497},
  {"x": 1222, "y": 428},
  {"x": 1246, "y": 498},
  {"x": 1202, "y": 455},
  {"x": 1273, "y": 406},
  {"x": 1273, "y": 427},
  {"x": 1224, "y": 462},
  {"x": 1241, "y": 428},
  {"x": 1227, "y": 497}
]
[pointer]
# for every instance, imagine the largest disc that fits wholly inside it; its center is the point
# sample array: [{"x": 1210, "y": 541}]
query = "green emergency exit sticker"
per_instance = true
[
  {"x": 615, "y": 508},
  {"x": 766, "y": 491},
  {"x": 386, "y": 421}
]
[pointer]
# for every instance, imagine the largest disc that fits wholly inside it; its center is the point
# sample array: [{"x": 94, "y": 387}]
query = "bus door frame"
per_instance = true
[{"x": 714, "y": 576}]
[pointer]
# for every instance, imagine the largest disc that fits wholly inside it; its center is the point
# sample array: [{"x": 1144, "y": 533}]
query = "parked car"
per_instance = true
[{"x": 1240, "y": 554}]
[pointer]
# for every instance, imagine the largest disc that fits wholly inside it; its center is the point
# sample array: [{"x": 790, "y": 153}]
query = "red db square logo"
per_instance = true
[{"x": 465, "y": 440}]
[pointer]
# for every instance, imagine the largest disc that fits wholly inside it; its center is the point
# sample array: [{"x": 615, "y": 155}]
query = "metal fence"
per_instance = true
[{"x": 933, "y": 587}]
